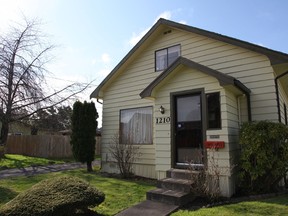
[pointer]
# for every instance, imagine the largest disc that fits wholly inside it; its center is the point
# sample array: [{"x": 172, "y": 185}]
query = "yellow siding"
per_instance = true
[
  {"x": 186, "y": 79},
  {"x": 250, "y": 68}
]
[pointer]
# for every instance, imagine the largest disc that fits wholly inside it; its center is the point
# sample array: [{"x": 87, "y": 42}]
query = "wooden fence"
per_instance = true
[{"x": 46, "y": 146}]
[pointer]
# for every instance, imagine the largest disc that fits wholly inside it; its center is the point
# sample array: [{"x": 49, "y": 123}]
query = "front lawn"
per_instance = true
[
  {"x": 11, "y": 161},
  {"x": 272, "y": 206},
  {"x": 120, "y": 194}
]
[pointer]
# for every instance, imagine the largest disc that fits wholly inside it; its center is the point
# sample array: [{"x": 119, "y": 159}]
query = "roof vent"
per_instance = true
[{"x": 167, "y": 32}]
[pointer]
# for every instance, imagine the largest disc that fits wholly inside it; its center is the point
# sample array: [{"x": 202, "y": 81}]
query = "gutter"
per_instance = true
[
  {"x": 277, "y": 94},
  {"x": 99, "y": 101}
]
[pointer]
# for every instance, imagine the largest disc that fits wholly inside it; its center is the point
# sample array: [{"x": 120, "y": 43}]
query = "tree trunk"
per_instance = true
[
  {"x": 3, "y": 138},
  {"x": 89, "y": 166}
]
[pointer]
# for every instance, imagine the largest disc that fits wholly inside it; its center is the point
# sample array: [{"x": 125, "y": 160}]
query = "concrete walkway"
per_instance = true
[
  {"x": 149, "y": 208},
  {"x": 34, "y": 170}
]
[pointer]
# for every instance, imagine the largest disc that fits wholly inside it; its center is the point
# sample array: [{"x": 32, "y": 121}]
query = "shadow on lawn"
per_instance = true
[
  {"x": 16, "y": 163},
  {"x": 6, "y": 194},
  {"x": 280, "y": 200}
]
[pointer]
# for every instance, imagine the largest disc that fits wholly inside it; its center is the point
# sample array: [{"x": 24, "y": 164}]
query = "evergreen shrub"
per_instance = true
[
  {"x": 264, "y": 156},
  {"x": 54, "y": 197}
]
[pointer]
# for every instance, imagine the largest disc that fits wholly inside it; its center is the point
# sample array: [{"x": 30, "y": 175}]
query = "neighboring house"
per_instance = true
[
  {"x": 19, "y": 128},
  {"x": 23, "y": 128},
  {"x": 189, "y": 86}
]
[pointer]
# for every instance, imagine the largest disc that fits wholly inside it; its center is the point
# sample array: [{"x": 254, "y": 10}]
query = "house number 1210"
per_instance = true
[{"x": 163, "y": 120}]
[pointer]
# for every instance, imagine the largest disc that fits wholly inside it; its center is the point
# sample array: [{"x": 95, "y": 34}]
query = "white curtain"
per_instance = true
[{"x": 136, "y": 125}]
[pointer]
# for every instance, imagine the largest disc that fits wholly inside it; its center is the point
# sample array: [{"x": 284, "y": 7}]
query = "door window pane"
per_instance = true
[{"x": 188, "y": 109}]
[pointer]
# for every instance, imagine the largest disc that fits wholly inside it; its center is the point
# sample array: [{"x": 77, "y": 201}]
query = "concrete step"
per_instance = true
[
  {"x": 178, "y": 198},
  {"x": 181, "y": 173},
  {"x": 149, "y": 208},
  {"x": 183, "y": 185}
]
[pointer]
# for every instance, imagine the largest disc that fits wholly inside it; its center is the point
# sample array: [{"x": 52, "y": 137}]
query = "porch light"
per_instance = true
[{"x": 161, "y": 109}]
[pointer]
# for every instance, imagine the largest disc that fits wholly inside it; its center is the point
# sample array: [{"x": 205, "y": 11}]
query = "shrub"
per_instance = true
[
  {"x": 84, "y": 127},
  {"x": 58, "y": 197},
  {"x": 264, "y": 156},
  {"x": 125, "y": 154},
  {"x": 205, "y": 181}
]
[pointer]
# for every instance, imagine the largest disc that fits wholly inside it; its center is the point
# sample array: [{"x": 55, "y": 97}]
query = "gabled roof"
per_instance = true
[
  {"x": 275, "y": 57},
  {"x": 223, "y": 79}
]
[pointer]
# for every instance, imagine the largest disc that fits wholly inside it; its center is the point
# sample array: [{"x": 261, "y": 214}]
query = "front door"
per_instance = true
[{"x": 188, "y": 130}]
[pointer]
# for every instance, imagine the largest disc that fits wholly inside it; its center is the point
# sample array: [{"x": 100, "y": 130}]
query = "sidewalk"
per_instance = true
[
  {"x": 149, "y": 208},
  {"x": 30, "y": 171}
]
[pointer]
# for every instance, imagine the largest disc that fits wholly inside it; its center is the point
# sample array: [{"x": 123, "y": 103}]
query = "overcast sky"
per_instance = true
[{"x": 93, "y": 35}]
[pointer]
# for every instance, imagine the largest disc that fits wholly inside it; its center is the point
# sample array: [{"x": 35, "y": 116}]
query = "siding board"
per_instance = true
[{"x": 252, "y": 69}]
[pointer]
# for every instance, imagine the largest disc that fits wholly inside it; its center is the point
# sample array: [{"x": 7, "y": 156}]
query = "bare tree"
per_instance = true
[
  {"x": 24, "y": 54},
  {"x": 124, "y": 154}
]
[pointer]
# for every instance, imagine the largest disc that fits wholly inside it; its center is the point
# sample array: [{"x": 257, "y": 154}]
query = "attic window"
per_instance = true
[{"x": 165, "y": 57}]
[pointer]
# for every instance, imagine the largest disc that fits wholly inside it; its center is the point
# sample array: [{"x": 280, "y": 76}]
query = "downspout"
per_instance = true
[
  {"x": 246, "y": 91},
  {"x": 239, "y": 108},
  {"x": 249, "y": 106},
  {"x": 277, "y": 94},
  {"x": 99, "y": 101}
]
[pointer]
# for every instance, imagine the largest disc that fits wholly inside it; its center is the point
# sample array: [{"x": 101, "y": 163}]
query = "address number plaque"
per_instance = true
[{"x": 163, "y": 120}]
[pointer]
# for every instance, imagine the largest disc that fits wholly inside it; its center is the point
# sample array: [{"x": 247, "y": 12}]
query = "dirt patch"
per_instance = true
[{"x": 132, "y": 178}]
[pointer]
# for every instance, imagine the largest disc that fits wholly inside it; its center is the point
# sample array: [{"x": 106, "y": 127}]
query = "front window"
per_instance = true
[
  {"x": 136, "y": 125},
  {"x": 213, "y": 110},
  {"x": 165, "y": 57}
]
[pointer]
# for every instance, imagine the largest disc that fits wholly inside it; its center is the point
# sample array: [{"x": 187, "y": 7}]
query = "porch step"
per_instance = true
[
  {"x": 181, "y": 173},
  {"x": 172, "y": 197},
  {"x": 183, "y": 185}
]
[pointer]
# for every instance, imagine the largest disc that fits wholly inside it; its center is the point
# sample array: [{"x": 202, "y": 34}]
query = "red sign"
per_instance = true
[{"x": 214, "y": 144}]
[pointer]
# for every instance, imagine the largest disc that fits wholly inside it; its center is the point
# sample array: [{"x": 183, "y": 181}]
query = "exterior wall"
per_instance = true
[
  {"x": 186, "y": 79},
  {"x": 124, "y": 93},
  {"x": 189, "y": 79},
  {"x": 19, "y": 129},
  {"x": 252, "y": 69}
]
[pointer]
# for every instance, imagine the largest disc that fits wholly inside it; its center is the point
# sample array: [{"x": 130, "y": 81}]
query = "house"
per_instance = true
[
  {"x": 21, "y": 128},
  {"x": 182, "y": 89}
]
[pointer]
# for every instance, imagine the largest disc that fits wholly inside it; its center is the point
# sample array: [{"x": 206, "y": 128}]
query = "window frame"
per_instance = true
[
  {"x": 167, "y": 58},
  {"x": 285, "y": 114},
  {"x": 120, "y": 125},
  {"x": 207, "y": 111}
]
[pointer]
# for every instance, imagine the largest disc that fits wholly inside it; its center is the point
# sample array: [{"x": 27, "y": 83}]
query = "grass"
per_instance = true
[
  {"x": 120, "y": 194},
  {"x": 11, "y": 161},
  {"x": 273, "y": 206}
]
